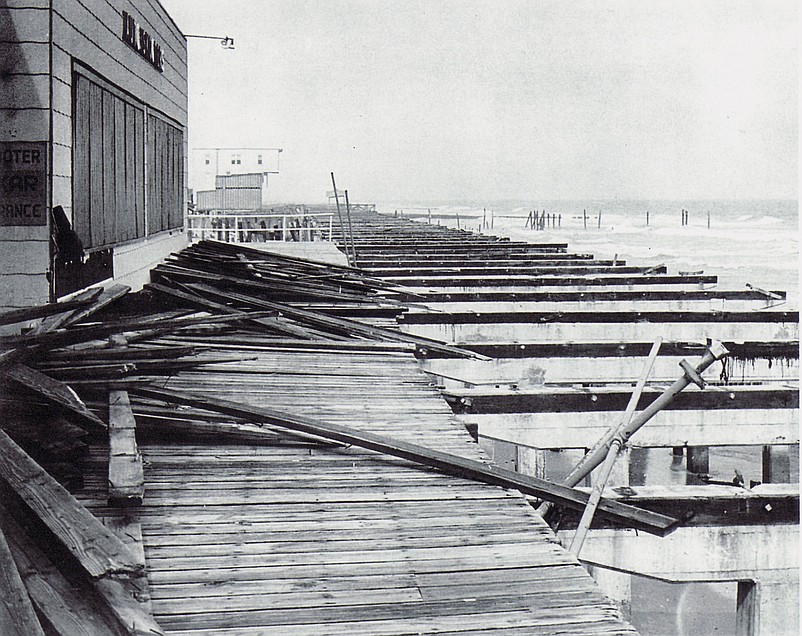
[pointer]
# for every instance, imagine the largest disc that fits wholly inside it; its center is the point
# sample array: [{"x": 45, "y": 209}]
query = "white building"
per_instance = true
[{"x": 207, "y": 163}]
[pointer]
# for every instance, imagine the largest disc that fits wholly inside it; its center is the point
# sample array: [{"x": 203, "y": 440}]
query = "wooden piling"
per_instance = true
[{"x": 126, "y": 475}]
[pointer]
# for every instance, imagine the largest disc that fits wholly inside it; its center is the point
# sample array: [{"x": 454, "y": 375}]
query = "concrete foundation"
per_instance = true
[{"x": 763, "y": 559}]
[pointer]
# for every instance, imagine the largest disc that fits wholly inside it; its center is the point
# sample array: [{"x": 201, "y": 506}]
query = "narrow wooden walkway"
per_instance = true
[{"x": 305, "y": 539}]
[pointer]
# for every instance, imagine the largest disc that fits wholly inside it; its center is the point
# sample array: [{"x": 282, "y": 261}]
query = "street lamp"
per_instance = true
[{"x": 226, "y": 42}]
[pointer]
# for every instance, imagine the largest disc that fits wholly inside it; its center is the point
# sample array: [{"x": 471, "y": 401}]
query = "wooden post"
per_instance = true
[
  {"x": 531, "y": 461},
  {"x": 484, "y": 218},
  {"x": 677, "y": 455},
  {"x": 600, "y": 214},
  {"x": 126, "y": 475},
  {"x": 492, "y": 218},
  {"x": 647, "y": 218},
  {"x": 559, "y": 220},
  {"x": 340, "y": 217},
  {"x": 708, "y": 219},
  {"x": 585, "y": 218},
  {"x": 429, "y": 215},
  {"x": 458, "y": 221},
  {"x": 350, "y": 227}
]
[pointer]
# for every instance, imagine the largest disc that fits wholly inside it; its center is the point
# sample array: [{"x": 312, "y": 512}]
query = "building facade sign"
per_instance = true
[
  {"x": 140, "y": 40},
  {"x": 23, "y": 183}
]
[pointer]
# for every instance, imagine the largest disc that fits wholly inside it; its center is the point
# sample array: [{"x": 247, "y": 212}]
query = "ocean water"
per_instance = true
[{"x": 755, "y": 242}]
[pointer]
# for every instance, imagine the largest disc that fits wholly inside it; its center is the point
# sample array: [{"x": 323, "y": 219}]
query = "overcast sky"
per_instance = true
[{"x": 501, "y": 99}]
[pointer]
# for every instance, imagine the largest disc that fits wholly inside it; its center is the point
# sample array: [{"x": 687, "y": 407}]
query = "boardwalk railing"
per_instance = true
[{"x": 248, "y": 226}]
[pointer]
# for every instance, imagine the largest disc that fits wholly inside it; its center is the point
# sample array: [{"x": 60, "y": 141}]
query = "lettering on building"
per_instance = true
[
  {"x": 141, "y": 41},
  {"x": 23, "y": 183}
]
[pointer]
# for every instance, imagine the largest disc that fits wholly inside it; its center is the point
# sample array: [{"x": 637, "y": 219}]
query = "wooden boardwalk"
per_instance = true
[{"x": 303, "y": 539}]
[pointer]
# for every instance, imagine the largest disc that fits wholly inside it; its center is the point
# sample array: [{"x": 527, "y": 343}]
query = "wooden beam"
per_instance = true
[
  {"x": 53, "y": 391},
  {"x": 130, "y": 615},
  {"x": 41, "y": 311},
  {"x": 447, "y": 463},
  {"x": 274, "y": 324},
  {"x": 786, "y": 349},
  {"x": 126, "y": 475},
  {"x": 17, "y": 616},
  {"x": 330, "y": 322},
  {"x": 98, "y": 551},
  {"x": 66, "y": 608},
  {"x": 100, "y": 298},
  {"x": 595, "y": 316},
  {"x": 558, "y": 399}
]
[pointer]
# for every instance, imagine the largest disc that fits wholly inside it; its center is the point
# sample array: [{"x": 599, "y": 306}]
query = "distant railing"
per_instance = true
[{"x": 247, "y": 226}]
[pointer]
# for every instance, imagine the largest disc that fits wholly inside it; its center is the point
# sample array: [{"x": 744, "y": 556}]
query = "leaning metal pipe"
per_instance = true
[
  {"x": 595, "y": 496},
  {"x": 616, "y": 428},
  {"x": 715, "y": 351}
]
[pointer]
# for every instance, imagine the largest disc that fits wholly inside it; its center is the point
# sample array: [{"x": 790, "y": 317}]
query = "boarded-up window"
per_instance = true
[
  {"x": 117, "y": 142},
  {"x": 165, "y": 175}
]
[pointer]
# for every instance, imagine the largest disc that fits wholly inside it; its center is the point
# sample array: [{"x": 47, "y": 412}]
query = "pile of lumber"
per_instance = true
[{"x": 89, "y": 370}]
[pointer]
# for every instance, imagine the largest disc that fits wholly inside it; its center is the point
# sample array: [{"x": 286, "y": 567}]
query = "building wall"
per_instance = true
[
  {"x": 42, "y": 45},
  {"x": 24, "y": 117}
]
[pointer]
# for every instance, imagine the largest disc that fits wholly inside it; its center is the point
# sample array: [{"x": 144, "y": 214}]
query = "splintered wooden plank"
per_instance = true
[
  {"x": 106, "y": 297},
  {"x": 97, "y": 549},
  {"x": 59, "y": 319},
  {"x": 17, "y": 616},
  {"x": 274, "y": 324},
  {"x": 355, "y": 327},
  {"x": 53, "y": 391},
  {"x": 629, "y": 516},
  {"x": 41, "y": 311},
  {"x": 66, "y": 608},
  {"x": 129, "y": 529},
  {"x": 132, "y": 617},
  {"x": 126, "y": 475}
]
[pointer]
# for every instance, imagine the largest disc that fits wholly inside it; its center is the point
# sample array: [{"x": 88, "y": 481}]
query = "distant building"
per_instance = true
[
  {"x": 206, "y": 164},
  {"x": 233, "y": 192},
  {"x": 93, "y": 114}
]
